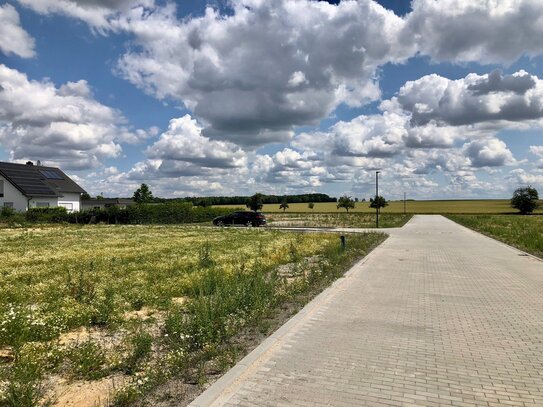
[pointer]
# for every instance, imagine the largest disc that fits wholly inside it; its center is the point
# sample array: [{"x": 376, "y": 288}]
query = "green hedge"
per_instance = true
[
  {"x": 47, "y": 215},
  {"x": 168, "y": 213}
]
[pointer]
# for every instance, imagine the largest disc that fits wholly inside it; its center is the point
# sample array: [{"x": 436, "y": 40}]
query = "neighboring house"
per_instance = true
[
  {"x": 103, "y": 203},
  {"x": 24, "y": 186}
]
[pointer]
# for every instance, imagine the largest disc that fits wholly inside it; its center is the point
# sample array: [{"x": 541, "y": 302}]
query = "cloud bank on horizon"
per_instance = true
[{"x": 287, "y": 96}]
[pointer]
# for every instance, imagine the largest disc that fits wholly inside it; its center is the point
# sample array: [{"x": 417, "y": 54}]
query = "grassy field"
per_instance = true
[
  {"x": 523, "y": 232},
  {"x": 351, "y": 220},
  {"x": 109, "y": 314},
  {"x": 497, "y": 206}
]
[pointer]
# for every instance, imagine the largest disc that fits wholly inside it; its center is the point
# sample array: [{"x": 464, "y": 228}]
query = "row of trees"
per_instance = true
[
  {"x": 347, "y": 202},
  {"x": 524, "y": 199},
  {"x": 255, "y": 203}
]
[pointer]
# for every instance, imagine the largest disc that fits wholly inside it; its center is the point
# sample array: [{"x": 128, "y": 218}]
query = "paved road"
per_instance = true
[{"x": 436, "y": 316}]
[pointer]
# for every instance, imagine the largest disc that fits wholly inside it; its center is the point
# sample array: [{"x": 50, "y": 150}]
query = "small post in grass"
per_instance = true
[{"x": 343, "y": 242}]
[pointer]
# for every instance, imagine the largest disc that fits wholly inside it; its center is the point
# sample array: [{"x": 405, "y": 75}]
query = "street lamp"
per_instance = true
[{"x": 377, "y": 198}]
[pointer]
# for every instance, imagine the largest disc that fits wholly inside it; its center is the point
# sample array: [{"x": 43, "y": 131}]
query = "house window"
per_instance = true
[
  {"x": 1, "y": 188},
  {"x": 8, "y": 204},
  {"x": 42, "y": 204}
]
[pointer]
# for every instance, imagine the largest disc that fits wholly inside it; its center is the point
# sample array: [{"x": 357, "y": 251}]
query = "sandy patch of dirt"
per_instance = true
[
  {"x": 6, "y": 355},
  {"x": 144, "y": 314},
  {"x": 96, "y": 393},
  {"x": 106, "y": 339},
  {"x": 179, "y": 300}
]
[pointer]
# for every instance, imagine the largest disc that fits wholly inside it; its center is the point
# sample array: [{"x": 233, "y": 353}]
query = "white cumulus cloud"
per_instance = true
[
  {"x": 492, "y": 99},
  {"x": 13, "y": 38},
  {"x": 184, "y": 142},
  {"x": 64, "y": 125},
  {"x": 484, "y": 31},
  {"x": 265, "y": 68},
  {"x": 488, "y": 153}
]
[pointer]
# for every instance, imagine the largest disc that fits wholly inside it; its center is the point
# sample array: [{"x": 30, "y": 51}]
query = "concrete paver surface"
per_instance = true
[{"x": 438, "y": 315}]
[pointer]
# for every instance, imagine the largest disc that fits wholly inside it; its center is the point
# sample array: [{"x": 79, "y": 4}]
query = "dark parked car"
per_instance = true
[{"x": 243, "y": 218}]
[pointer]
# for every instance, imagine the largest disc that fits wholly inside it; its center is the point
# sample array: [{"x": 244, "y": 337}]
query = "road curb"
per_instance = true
[
  {"x": 516, "y": 249},
  {"x": 221, "y": 390}
]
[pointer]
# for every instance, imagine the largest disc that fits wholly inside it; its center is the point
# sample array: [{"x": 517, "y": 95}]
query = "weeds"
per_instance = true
[
  {"x": 204, "y": 256},
  {"x": 24, "y": 387},
  {"x": 140, "y": 346},
  {"x": 81, "y": 287},
  {"x": 87, "y": 361},
  {"x": 202, "y": 292}
]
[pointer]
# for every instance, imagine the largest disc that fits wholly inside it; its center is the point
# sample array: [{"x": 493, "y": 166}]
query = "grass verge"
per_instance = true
[{"x": 522, "y": 232}]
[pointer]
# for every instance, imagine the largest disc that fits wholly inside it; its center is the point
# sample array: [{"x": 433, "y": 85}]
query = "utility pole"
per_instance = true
[
  {"x": 377, "y": 198},
  {"x": 404, "y": 211}
]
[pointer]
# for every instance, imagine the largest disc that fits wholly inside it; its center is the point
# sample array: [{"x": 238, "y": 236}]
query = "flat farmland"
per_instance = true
[
  {"x": 105, "y": 315},
  {"x": 336, "y": 220},
  {"x": 493, "y": 206}
]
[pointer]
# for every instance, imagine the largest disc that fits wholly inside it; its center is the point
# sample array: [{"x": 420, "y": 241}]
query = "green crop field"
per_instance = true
[
  {"x": 342, "y": 220},
  {"x": 523, "y": 232},
  {"x": 453, "y": 206},
  {"x": 107, "y": 314},
  {"x": 497, "y": 206}
]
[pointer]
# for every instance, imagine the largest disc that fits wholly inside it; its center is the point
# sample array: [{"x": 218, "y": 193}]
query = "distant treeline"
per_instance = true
[{"x": 266, "y": 199}]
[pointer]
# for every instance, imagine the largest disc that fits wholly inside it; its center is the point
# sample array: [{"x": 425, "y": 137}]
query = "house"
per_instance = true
[
  {"x": 103, "y": 203},
  {"x": 24, "y": 186}
]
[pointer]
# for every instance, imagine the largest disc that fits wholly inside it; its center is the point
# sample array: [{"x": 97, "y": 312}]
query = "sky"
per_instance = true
[{"x": 233, "y": 97}]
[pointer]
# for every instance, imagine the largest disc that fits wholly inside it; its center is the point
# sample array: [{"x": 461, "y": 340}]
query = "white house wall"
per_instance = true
[
  {"x": 53, "y": 202},
  {"x": 70, "y": 200},
  {"x": 13, "y": 195}
]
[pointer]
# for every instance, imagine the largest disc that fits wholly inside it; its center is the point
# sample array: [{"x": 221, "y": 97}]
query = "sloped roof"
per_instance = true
[{"x": 37, "y": 180}]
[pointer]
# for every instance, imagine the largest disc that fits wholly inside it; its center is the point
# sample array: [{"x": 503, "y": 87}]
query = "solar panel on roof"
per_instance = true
[
  {"x": 50, "y": 174},
  {"x": 43, "y": 181}
]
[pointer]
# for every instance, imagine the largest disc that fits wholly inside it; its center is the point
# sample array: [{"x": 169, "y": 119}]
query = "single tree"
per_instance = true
[
  {"x": 143, "y": 194},
  {"x": 378, "y": 202},
  {"x": 311, "y": 205},
  {"x": 284, "y": 204},
  {"x": 525, "y": 200},
  {"x": 204, "y": 203},
  {"x": 85, "y": 196},
  {"x": 254, "y": 203},
  {"x": 345, "y": 202}
]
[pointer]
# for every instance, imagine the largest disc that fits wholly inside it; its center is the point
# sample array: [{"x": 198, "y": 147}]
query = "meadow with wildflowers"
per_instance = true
[{"x": 105, "y": 315}]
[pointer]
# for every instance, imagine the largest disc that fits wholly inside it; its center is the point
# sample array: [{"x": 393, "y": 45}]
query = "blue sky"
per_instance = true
[{"x": 291, "y": 96}]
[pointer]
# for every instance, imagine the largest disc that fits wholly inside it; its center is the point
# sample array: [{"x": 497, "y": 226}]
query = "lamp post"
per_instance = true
[{"x": 377, "y": 198}]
